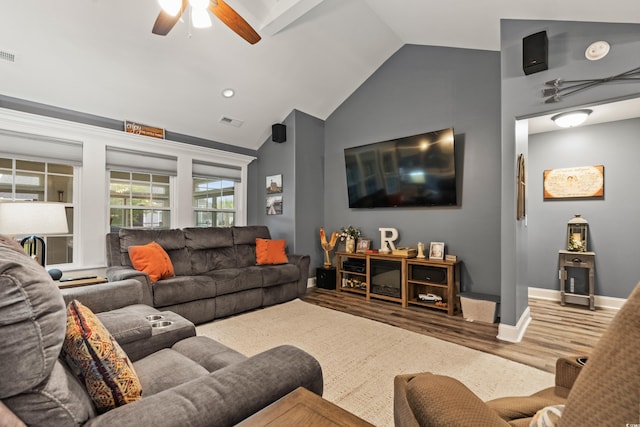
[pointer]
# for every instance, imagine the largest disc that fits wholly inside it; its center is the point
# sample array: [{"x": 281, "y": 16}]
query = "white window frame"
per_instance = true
[
  {"x": 131, "y": 208},
  {"x": 91, "y": 200},
  {"x": 73, "y": 204},
  {"x": 236, "y": 186}
]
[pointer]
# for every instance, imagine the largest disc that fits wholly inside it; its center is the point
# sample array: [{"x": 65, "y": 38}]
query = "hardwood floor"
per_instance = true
[{"x": 555, "y": 331}]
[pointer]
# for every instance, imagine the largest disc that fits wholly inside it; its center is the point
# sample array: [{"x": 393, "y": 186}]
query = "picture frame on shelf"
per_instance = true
[
  {"x": 436, "y": 250},
  {"x": 363, "y": 245}
]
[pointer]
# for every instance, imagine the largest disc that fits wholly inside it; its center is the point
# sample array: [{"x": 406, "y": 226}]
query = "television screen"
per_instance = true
[{"x": 416, "y": 170}]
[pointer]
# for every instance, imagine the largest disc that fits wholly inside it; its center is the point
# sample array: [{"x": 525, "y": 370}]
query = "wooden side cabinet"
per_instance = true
[
  {"x": 577, "y": 278},
  {"x": 441, "y": 278}
]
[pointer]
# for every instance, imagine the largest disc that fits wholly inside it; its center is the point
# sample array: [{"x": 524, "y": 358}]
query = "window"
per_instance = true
[
  {"x": 45, "y": 182},
  {"x": 214, "y": 202},
  {"x": 139, "y": 200}
]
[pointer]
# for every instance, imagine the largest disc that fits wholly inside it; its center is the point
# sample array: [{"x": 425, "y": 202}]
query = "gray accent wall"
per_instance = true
[
  {"x": 613, "y": 235},
  {"x": 521, "y": 98},
  {"x": 421, "y": 89},
  {"x": 300, "y": 160}
]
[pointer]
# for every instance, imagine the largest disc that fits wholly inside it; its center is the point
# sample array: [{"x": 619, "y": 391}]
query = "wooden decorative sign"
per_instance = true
[
  {"x": 568, "y": 183},
  {"x": 140, "y": 129}
]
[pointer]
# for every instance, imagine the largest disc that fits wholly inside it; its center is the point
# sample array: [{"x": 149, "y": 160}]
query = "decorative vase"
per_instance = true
[{"x": 350, "y": 245}]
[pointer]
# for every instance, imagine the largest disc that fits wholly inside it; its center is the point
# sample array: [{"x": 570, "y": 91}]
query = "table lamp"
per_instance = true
[{"x": 33, "y": 219}]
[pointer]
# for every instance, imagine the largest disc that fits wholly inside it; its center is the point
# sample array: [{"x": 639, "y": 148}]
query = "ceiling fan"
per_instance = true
[{"x": 172, "y": 10}]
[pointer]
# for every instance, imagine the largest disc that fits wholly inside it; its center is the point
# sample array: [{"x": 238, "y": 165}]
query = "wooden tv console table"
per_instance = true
[{"x": 400, "y": 279}]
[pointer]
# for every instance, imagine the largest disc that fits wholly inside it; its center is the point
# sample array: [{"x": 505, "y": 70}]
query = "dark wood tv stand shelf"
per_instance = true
[{"x": 409, "y": 277}]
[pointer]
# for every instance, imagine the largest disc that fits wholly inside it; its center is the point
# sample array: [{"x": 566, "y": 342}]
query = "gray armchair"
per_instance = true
[{"x": 195, "y": 381}]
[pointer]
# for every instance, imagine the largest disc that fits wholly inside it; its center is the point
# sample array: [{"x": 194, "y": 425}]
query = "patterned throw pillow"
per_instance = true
[
  {"x": 271, "y": 251},
  {"x": 152, "y": 259},
  {"x": 97, "y": 360}
]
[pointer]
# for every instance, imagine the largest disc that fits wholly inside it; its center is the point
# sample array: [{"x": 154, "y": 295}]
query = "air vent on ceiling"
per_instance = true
[
  {"x": 232, "y": 122},
  {"x": 7, "y": 56}
]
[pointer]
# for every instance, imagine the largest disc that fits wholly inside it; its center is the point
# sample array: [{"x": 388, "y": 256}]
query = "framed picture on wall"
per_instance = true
[
  {"x": 274, "y": 184},
  {"x": 274, "y": 205},
  {"x": 584, "y": 182}
]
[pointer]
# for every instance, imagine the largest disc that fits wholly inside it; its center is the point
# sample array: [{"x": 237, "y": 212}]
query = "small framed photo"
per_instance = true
[
  {"x": 436, "y": 250},
  {"x": 274, "y": 205},
  {"x": 274, "y": 184},
  {"x": 363, "y": 245}
]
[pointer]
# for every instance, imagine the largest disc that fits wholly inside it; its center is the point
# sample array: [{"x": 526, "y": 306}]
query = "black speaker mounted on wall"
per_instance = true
[
  {"x": 279, "y": 132},
  {"x": 535, "y": 53}
]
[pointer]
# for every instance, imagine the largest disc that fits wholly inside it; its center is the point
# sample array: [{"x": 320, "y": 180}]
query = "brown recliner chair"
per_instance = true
[{"x": 605, "y": 393}]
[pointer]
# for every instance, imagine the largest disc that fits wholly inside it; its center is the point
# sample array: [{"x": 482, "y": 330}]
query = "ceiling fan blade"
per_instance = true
[
  {"x": 165, "y": 22},
  {"x": 233, "y": 20}
]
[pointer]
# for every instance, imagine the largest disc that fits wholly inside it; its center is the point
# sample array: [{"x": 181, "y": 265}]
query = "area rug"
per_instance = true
[{"x": 360, "y": 357}]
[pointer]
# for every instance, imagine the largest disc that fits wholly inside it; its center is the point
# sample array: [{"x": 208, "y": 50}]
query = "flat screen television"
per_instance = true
[{"x": 414, "y": 171}]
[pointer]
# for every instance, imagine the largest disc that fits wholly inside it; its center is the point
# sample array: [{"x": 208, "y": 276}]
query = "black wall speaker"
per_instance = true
[
  {"x": 535, "y": 53},
  {"x": 279, "y": 132},
  {"x": 429, "y": 274}
]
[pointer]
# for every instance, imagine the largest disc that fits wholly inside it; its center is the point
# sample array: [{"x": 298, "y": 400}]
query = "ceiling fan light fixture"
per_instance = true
[
  {"x": 571, "y": 118},
  {"x": 200, "y": 18},
  {"x": 172, "y": 7},
  {"x": 199, "y": 4}
]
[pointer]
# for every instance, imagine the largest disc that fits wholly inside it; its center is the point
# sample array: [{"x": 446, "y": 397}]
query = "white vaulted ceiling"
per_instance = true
[{"x": 100, "y": 57}]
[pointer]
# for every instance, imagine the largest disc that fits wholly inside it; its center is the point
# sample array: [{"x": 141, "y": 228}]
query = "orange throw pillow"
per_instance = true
[
  {"x": 151, "y": 259},
  {"x": 270, "y": 252}
]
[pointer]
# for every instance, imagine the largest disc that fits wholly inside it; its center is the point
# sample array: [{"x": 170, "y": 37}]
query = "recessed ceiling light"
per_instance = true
[
  {"x": 228, "y": 93},
  {"x": 597, "y": 50},
  {"x": 571, "y": 118}
]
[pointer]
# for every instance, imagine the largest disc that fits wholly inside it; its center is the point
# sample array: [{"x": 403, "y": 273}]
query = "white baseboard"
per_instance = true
[
  {"x": 553, "y": 295},
  {"x": 311, "y": 282},
  {"x": 515, "y": 333}
]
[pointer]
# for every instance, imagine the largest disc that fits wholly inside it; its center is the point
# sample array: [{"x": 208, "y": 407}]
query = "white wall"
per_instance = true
[{"x": 92, "y": 196}]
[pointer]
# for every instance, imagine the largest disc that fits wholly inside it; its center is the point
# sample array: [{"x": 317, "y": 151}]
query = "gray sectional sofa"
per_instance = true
[
  {"x": 215, "y": 271},
  {"x": 186, "y": 379}
]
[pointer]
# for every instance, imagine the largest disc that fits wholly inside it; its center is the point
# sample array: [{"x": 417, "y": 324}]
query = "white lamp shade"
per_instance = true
[{"x": 32, "y": 218}]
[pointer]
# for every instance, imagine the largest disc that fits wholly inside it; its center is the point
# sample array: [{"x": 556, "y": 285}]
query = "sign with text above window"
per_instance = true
[{"x": 145, "y": 130}]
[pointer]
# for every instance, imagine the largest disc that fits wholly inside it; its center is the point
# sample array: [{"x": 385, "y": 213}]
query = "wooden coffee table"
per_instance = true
[{"x": 303, "y": 408}]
